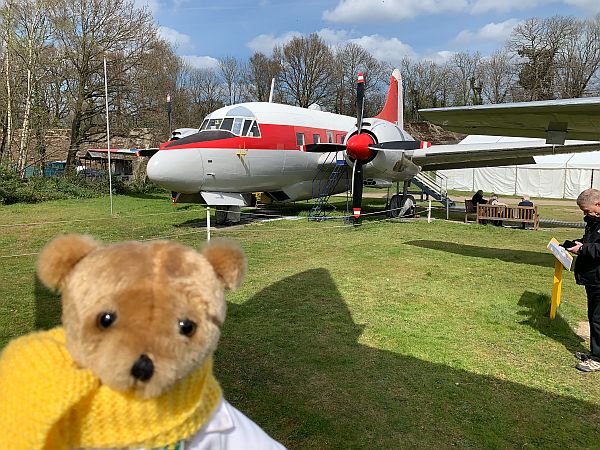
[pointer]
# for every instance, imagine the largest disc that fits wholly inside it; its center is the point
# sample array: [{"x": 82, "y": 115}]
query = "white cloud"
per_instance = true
[
  {"x": 264, "y": 43},
  {"x": 334, "y": 37},
  {"x": 385, "y": 49},
  {"x": 440, "y": 57},
  {"x": 351, "y": 11},
  {"x": 590, "y": 6},
  {"x": 201, "y": 62},
  {"x": 505, "y": 6},
  {"x": 360, "y": 11},
  {"x": 493, "y": 32},
  {"x": 391, "y": 50},
  {"x": 179, "y": 40}
]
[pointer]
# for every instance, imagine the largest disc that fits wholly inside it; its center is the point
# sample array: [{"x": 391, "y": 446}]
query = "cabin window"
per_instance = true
[
  {"x": 316, "y": 138},
  {"x": 237, "y": 126},
  {"x": 340, "y": 138},
  {"x": 330, "y": 137},
  {"x": 227, "y": 124},
  {"x": 254, "y": 131},
  {"x": 247, "y": 124},
  {"x": 299, "y": 139}
]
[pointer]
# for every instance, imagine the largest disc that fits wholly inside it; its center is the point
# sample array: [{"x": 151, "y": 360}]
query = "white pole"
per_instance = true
[
  {"x": 272, "y": 89},
  {"x": 429, "y": 212},
  {"x": 108, "y": 138},
  {"x": 208, "y": 223}
]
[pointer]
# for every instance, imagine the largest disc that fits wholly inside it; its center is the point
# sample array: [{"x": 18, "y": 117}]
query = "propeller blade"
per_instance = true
[
  {"x": 400, "y": 145},
  {"x": 324, "y": 147},
  {"x": 357, "y": 188},
  {"x": 360, "y": 101},
  {"x": 146, "y": 152}
]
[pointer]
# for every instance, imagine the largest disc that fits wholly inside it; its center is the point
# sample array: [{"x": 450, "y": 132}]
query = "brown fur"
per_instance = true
[{"x": 151, "y": 287}]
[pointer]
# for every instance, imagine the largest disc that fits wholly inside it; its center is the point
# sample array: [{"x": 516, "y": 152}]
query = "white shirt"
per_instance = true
[{"x": 229, "y": 429}]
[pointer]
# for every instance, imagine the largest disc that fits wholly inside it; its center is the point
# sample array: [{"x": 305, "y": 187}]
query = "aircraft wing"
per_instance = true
[
  {"x": 554, "y": 120},
  {"x": 461, "y": 156}
]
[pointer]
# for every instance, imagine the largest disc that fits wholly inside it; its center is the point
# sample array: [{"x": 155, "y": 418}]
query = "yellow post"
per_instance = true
[{"x": 556, "y": 288}]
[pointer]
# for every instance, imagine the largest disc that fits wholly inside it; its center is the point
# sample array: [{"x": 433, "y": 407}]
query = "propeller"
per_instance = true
[{"x": 361, "y": 147}]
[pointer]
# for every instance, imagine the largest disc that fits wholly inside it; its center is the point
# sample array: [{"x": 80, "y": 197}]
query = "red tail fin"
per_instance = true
[{"x": 393, "y": 111}]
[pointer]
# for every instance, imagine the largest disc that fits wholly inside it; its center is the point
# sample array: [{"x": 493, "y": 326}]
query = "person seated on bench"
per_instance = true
[
  {"x": 478, "y": 199},
  {"x": 525, "y": 202},
  {"x": 495, "y": 202}
]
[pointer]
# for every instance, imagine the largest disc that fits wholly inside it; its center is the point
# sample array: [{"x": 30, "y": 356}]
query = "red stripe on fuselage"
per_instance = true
[{"x": 273, "y": 137}]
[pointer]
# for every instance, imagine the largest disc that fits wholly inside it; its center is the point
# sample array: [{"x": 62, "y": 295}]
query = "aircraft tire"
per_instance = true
[{"x": 399, "y": 208}]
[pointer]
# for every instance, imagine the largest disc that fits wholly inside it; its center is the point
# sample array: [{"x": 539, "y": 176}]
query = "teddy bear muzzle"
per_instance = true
[{"x": 143, "y": 368}]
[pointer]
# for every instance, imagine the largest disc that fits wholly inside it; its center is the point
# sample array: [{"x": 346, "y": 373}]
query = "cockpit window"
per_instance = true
[
  {"x": 240, "y": 126},
  {"x": 247, "y": 124},
  {"x": 214, "y": 124},
  {"x": 226, "y": 124},
  {"x": 237, "y": 125},
  {"x": 254, "y": 131}
]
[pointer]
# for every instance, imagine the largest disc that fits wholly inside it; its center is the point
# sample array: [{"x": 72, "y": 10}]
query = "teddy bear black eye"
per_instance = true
[
  {"x": 187, "y": 327},
  {"x": 106, "y": 319}
]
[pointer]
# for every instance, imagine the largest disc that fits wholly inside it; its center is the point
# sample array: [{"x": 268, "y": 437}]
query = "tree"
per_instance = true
[
  {"x": 538, "y": 42},
  {"x": 465, "y": 71},
  {"x": 349, "y": 61},
  {"x": 29, "y": 44},
  {"x": 87, "y": 31},
  {"x": 261, "y": 70},
  {"x": 205, "y": 90},
  {"x": 230, "y": 71},
  {"x": 426, "y": 85},
  {"x": 307, "y": 75},
  {"x": 499, "y": 76},
  {"x": 579, "y": 59}
]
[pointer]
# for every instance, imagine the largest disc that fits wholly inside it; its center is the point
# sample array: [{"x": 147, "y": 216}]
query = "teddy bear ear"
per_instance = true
[
  {"x": 60, "y": 255},
  {"x": 228, "y": 261}
]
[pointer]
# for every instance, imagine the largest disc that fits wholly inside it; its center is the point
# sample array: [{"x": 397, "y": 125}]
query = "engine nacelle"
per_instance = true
[{"x": 381, "y": 163}]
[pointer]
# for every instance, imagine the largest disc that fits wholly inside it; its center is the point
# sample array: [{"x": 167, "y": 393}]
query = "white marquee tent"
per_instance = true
[{"x": 553, "y": 176}]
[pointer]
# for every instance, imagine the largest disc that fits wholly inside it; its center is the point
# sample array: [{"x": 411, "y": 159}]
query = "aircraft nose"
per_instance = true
[{"x": 177, "y": 170}]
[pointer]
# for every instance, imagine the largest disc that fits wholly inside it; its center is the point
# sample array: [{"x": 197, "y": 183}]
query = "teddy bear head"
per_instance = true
[{"x": 140, "y": 316}]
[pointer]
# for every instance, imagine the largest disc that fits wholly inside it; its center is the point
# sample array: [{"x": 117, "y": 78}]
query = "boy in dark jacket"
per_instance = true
[{"x": 587, "y": 273}]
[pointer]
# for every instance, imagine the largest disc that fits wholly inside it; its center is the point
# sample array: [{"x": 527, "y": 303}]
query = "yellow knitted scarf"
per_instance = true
[{"x": 48, "y": 403}]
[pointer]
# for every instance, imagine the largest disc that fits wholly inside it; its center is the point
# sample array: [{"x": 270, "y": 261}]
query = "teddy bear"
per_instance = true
[{"x": 131, "y": 366}]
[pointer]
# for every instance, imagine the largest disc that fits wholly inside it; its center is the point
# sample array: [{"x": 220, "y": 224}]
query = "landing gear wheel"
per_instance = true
[
  {"x": 227, "y": 215},
  {"x": 402, "y": 207}
]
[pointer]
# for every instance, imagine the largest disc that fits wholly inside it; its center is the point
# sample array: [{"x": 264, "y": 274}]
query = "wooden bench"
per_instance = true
[
  {"x": 469, "y": 209},
  {"x": 523, "y": 214}
]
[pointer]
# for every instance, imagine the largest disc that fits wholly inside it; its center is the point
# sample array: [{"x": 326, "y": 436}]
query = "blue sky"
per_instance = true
[{"x": 390, "y": 29}]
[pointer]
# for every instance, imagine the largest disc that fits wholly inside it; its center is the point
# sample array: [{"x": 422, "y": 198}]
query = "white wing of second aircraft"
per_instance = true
[
  {"x": 490, "y": 151},
  {"x": 554, "y": 120}
]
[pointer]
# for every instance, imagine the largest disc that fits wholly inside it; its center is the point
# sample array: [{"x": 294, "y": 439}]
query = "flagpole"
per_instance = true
[{"x": 108, "y": 137}]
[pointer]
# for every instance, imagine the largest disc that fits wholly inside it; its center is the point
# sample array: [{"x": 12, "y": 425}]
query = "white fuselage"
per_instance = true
[{"x": 260, "y": 147}]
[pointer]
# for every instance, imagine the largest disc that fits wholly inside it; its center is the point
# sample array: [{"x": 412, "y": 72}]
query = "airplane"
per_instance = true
[{"x": 277, "y": 149}]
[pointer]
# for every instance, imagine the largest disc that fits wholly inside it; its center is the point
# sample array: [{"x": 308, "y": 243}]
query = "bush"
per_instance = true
[{"x": 13, "y": 189}]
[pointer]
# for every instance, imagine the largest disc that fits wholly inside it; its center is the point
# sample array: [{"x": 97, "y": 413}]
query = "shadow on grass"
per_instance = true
[
  {"x": 47, "y": 307},
  {"x": 507, "y": 255},
  {"x": 290, "y": 358},
  {"x": 538, "y": 318}
]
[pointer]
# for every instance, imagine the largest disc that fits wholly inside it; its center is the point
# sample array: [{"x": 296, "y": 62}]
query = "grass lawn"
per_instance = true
[{"x": 384, "y": 336}]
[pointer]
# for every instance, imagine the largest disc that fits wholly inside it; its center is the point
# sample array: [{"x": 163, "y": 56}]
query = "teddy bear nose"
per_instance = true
[{"x": 143, "y": 368}]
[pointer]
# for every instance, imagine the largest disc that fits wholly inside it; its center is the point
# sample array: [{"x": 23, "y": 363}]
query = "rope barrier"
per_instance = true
[{"x": 244, "y": 230}]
